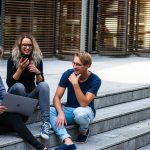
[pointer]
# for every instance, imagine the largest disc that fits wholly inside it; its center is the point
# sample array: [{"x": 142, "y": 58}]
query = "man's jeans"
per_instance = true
[
  {"x": 41, "y": 92},
  {"x": 81, "y": 116}
]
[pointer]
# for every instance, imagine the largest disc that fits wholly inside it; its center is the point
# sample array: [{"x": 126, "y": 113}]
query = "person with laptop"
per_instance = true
[
  {"x": 15, "y": 122},
  {"x": 25, "y": 76},
  {"x": 82, "y": 86}
]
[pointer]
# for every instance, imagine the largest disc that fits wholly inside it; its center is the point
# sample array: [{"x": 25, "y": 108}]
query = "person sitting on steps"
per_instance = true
[
  {"x": 82, "y": 86},
  {"x": 25, "y": 76},
  {"x": 14, "y": 122}
]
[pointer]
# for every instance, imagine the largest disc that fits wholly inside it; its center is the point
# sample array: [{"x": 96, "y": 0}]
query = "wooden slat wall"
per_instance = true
[
  {"x": 70, "y": 20},
  {"x": 1, "y": 23},
  {"x": 34, "y": 16},
  {"x": 143, "y": 26},
  {"x": 112, "y": 26}
]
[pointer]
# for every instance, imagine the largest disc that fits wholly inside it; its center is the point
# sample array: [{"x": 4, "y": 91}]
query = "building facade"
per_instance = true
[{"x": 63, "y": 27}]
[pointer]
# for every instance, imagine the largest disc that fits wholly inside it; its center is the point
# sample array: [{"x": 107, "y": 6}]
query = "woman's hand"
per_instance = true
[
  {"x": 32, "y": 67},
  {"x": 2, "y": 109},
  {"x": 23, "y": 63}
]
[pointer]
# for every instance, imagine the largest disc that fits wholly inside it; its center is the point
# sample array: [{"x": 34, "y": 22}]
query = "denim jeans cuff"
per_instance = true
[
  {"x": 45, "y": 118},
  {"x": 64, "y": 137},
  {"x": 83, "y": 130}
]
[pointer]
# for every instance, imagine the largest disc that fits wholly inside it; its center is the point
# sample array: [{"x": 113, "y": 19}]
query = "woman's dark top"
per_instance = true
[{"x": 27, "y": 78}]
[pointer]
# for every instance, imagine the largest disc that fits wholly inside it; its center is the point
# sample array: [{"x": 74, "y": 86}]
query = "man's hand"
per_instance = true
[
  {"x": 2, "y": 109},
  {"x": 61, "y": 120},
  {"x": 73, "y": 78}
]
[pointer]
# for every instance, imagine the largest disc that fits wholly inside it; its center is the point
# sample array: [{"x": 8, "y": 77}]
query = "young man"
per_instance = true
[{"x": 82, "y": 86}]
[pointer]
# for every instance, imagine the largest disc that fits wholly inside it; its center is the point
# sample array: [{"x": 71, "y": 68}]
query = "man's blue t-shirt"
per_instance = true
[{"x": 91, "y": 85}]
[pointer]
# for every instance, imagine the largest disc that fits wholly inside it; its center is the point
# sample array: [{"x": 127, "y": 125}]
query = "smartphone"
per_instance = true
[{"x": 23, "y": 57}]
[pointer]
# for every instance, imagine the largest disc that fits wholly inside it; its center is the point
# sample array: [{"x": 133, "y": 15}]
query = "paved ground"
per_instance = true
[{"x": 117, "y": 74}]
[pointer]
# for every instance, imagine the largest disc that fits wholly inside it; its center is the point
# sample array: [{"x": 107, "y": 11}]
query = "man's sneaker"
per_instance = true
[
  {"x": 82, "y": 138},
  {"x": 45, "y": 129}
]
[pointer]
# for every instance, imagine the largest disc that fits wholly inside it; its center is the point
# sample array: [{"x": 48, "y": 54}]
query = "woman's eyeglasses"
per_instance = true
[{"x": 27, "y": 45}]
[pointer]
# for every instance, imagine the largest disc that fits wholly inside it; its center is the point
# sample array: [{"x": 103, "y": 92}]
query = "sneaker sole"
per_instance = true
[{"x": 45, "y": 137}]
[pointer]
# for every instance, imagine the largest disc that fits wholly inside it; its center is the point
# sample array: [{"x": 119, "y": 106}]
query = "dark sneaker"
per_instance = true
[
  {"x": 66, "y": 147},
  {"x": 82, "y": 138},
  {"x": 45, "y": 128}
]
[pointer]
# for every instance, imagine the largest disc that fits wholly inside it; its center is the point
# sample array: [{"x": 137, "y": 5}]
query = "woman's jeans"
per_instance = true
[
  {"x": 41, "y": 92},
  {"x": 81, "y": 116}
]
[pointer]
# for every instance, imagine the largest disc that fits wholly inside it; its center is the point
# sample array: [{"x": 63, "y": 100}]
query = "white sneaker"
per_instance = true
[{"x": 44, "y": 131}]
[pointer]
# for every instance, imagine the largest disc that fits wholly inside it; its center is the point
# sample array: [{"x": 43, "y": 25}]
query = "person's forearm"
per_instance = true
[
  {"x": 39, "y": 78},
  {"x": 39, "y": 75},
  {"x": 57, "y": 105},
  {"x": 17, "y": 74},
  {"x": 80, "y": 96}
]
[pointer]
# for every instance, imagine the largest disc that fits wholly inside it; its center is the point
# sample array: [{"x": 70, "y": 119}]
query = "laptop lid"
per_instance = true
[{"x": 19, "y": 104}]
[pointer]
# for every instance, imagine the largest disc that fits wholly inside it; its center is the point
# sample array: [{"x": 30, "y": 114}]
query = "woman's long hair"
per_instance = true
[{"x": 36, "y": 54}]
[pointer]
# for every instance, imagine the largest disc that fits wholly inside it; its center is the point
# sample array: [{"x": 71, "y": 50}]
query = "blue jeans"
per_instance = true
[
  {"x": 41, "y": 92},
  {"x": 81, "y": 116}
]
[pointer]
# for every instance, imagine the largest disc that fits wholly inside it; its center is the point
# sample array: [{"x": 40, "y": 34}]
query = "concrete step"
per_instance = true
[
  {"x": 106, "y": 100},
  {"x": 130, "y": 137},
  {"x": 113, "y": 98},
  {"x": 106, "y": 119},
  {"x": 121, "y": 115},
  {"x": 147, "y": 147}
]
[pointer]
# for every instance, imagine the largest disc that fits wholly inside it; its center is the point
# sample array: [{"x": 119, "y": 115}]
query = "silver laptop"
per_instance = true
[{"x": 19, "y": 104}]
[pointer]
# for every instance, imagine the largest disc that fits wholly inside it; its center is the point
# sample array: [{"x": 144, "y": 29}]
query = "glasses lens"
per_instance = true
[
  {"x": 27, "y": 45},
  {"x": 76, "y": 64}
]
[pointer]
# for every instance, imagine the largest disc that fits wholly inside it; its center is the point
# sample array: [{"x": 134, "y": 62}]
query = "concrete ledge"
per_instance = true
[
  {"x": 147, "y": 147},
  {"x": 122, "y": 96}
]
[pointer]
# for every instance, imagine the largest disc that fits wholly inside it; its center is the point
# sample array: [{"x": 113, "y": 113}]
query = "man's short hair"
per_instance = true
[{"x": 85, "y": 58}]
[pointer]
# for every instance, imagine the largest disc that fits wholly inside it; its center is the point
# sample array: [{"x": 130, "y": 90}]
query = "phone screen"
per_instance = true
[{"x": 23, "y": 57}]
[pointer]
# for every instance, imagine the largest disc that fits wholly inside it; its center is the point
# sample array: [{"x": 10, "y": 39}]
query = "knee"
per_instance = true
[
  {"x": 80, "y": 114},
  {"x": 43, "y": 86},
  {"x": 18, "y": 88}
]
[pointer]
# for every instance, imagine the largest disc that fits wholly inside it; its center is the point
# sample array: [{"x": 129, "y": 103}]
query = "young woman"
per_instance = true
[
  {"x": 15, "y": 122},
  {"x": 25, "y": 76}
]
